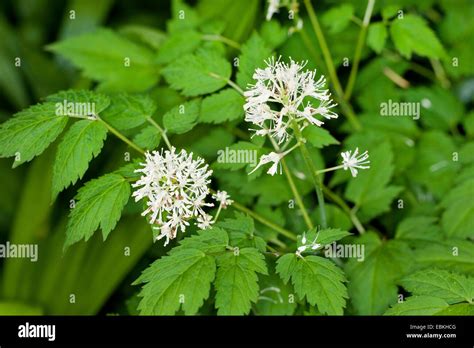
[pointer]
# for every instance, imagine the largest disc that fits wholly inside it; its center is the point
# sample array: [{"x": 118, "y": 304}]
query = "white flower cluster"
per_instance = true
[
  {"x": 353, "y": 161},
  {"x": 277, "y": 99},
  {"x": 305, "y": 245},
  {"x": 273, "y": 7},
  {"x": 223, "y": 198},
  {"x": 175, "y": 187}
]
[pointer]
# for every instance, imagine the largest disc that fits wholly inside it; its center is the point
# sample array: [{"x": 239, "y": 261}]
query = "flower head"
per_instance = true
[
  {"x": 271, "y": 157},
  {"x": 353, "y": 161},
  {"x": 305, "y": 245},
  {"x": 280, "y": 95},
  {"x": 223, "y": 198},
  {"x": 273, "y": 6},
  {"x": 175, "y": 187},
  {"x": 205, "y": 221}
]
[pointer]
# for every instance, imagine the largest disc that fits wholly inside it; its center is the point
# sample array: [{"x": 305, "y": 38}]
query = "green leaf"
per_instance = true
[
  {"x": 455, "y": 255},
  {"x": 368, "y": 190},
  {"x": 212, "y": 141},
  {"x": 458, "y": 218},
  {"x": 119, "y": 64},
  {"x": 148, "y": 138},
  {"x": 28, "y": 133},
  {"x": 372, "y": 282},
  {"x": 439, "y": 108},
  {"x": 275, "y": 297},
  {"x": 181, "y": 280},
  {"x": 376, "y": 36},
  {"x": 82, "y": 142},
  {"x": 241, "y": 231},
  {"x": 128, "y": 111},
  {"x": 434, "y": 167},
  {"x": 81, "y": 100},
  {"x": 390, "y": 11},
  {"x": 19, "y": 308},
  {"x": 180, "y": 23},
  {"x": 182, "y": 118},
  {"x": 369, "y": 181},
  {"x": 253, "y": 55},
  {"x": 466, "y": 153},
  {"x": 317, "y": 279},
  {"x": 379, "y": 202},
  {"x": 200, "y": 73},
  {"x": 338, "y": 18},
  {"x": 469, "y": 124},
  {"x": 237, "y": 282},
  {"x": 319, "y": 137},
  {"x": 458, "y": 309},
  {"x": 411, "y": 34},
  {"x": 210, "y": 241},
  {"x": 419, "y": 230},
  {"x": 323, "y": 237},
  {"x": 451, "y": 287},
  {"x": 336, "y": 217},
  {"x": 329, "y": 235},
  {"x": 99, "y": 203},
  {"x": 237, "y": 156},
  {"x": 178, "y": 44},
  {"x": 227, "y": 105},
  {"x": 147, "y": 35},
  {"x": 418, "y": 305},
  {"x": 273, "y": 33}
]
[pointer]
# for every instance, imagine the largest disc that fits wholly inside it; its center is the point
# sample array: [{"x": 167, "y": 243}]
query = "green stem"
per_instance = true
[
  {"x": 293, "y": 187},
  {"x": 161, "y": 130},
  {"x": 439, "y": 73},
  {"x": 121, "y": 136},
  {"x": 421, "y": 70},
  {"x": 297, "y": 195},
  {"x": 273, "y": 250},
  {"x": 359, "y": 47},
  {"x": 313, "y": 172},
  {"x": 346, "y": 108},
  {"x": 264, "y": 221},
  {"x": 218, "y": 212},
  {"x": 278, "y": 243},
  {"x": 352, "y": 215},
  {"x": 329, "y": 169},
  {"x": 223, "y": 39},
  {"x": 309, "y": 46},
  {"x": 235, "y": 86},
  {"x": 228, "y": 81}
]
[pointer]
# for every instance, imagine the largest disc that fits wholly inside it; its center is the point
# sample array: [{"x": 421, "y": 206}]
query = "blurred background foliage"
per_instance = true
[{"x": 96, "y": 273}]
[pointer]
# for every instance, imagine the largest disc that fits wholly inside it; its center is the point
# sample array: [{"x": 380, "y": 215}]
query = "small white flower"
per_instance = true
[
  {"x": 223, "y": 198},
  {"x": 353, "y": 161},
  {"x": 271, "y": 157},
  {"x": 205, "y": 221},
  {"x": 175, "y": 187},
  {"x": 305, "y": 245},
  {"x": 276, "y": 99},
  {"x": 273, "y": 6},
  {"x": 301, "y": 248},
  {"x": 296, "y": 28},
  {"x": 303, "y": 239}
]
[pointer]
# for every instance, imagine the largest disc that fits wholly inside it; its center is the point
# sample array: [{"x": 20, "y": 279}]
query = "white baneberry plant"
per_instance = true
[{"x": 233, "y": 164}]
